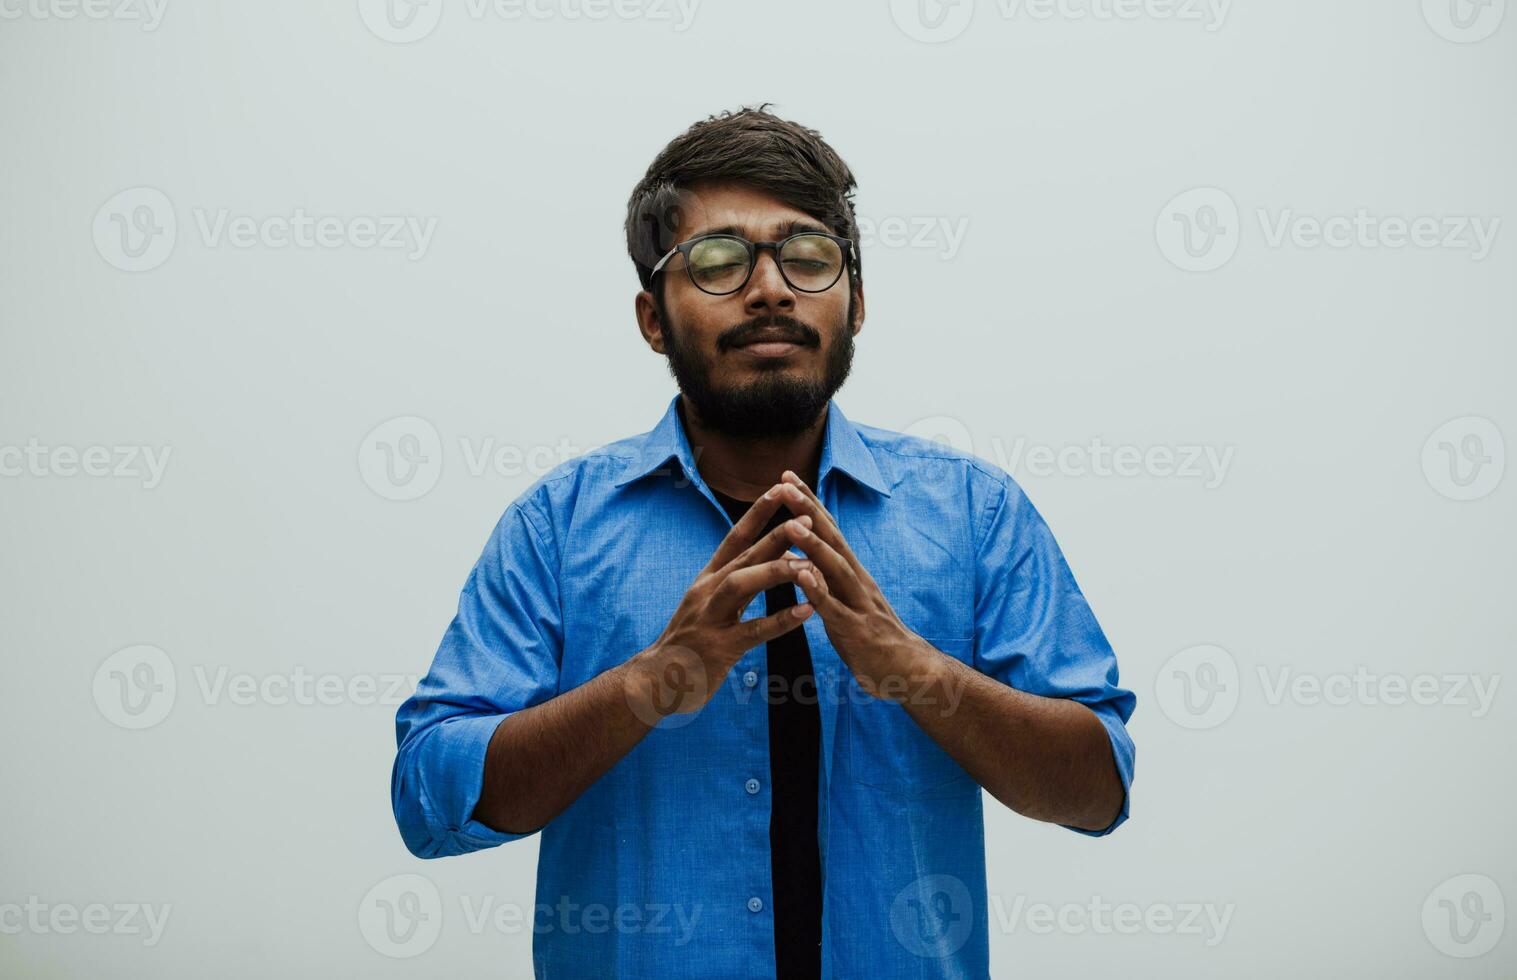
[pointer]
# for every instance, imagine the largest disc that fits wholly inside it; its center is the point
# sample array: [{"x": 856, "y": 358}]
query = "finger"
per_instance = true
[
  {"x": 767, "y": 548},
  {"x": 840, "y": 576},
  {"x": 761, "y": 629},
  {"x": 827, "y": 527},
  {"x": 814, "y": 584},
  {"x": 801, "y": 500},
  {"x": 746, "y": 529},
  {"x": 739, "y": 588}
]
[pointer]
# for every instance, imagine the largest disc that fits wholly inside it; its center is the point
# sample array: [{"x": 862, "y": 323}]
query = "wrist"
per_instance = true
[
  {"x": 917, "y": 665},
  {"x": 663, "y": 680}
]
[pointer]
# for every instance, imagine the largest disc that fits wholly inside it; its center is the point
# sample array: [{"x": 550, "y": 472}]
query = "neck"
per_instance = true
[{"x": 745, "y": 468}]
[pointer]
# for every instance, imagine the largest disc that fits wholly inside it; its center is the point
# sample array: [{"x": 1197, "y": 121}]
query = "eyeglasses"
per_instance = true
[{"x": 810, "y": 262}]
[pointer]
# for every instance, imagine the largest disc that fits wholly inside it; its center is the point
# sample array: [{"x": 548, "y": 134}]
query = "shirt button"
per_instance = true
[
  {"x": 752, "y": 786},
  {"x": 750, "y": 679},
  {"x": 755, "y": 904}
]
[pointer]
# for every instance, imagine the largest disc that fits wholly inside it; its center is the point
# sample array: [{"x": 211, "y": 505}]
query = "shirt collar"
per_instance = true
[{"x": 843, "y": 449}]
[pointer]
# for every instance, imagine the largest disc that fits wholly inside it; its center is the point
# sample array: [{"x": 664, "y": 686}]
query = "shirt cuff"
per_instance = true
[
  {"x": 453, "y": 792},
  {"x": 1122, "y": 755}
]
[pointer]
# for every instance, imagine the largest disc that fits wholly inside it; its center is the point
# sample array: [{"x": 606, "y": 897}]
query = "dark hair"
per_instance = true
[{"x": 750, "y": 146}]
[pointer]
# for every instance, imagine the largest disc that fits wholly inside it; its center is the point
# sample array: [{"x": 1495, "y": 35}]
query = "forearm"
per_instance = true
[
  {"x": 1046, "y": 758},
  {"x": 542, "y": 758}
]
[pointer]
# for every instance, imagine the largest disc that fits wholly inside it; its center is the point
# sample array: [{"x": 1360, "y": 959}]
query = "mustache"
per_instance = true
[{"x": 794, "y": 331}]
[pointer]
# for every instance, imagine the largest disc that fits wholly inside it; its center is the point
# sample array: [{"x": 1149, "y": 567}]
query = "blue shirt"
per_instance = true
[{"x": 662, "y": 868}]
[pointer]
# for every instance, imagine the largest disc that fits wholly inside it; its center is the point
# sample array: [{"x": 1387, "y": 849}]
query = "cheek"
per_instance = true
[
  {"x": 700, "y": 321},
  {"x": 829, "y": 315}
]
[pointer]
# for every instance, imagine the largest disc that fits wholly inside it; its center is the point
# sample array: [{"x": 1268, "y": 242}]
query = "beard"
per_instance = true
[{"x": 776, "y": 404}]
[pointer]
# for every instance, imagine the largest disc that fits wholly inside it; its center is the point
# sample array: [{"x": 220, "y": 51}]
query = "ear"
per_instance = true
[
  {"x": 858, "y": 309},
  {"x": 647, "y": 320}
]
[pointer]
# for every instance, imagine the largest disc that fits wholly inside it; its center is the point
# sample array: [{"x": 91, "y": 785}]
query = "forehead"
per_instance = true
[{"x": 709, "y": 206}]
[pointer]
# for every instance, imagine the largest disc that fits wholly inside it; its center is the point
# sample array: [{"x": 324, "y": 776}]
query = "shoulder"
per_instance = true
[
  {"x": 912, "y": 461},
  {"x": 550, "y": 501}
]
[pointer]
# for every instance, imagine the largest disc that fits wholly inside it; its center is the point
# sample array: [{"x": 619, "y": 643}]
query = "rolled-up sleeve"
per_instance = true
[
  {"x": 500, "y": 654},
  {"x": 1035, "y": 631}
]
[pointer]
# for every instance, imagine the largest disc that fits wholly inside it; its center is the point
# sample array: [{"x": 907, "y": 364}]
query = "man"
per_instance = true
[{"x": 730, "y": 782}]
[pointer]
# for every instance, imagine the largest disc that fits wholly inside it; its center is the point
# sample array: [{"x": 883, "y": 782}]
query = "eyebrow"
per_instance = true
[{"x": 781, "y": 231}]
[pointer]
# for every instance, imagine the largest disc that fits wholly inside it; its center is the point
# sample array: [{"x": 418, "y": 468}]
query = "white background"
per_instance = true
[{"x": 1068, "y": 312}]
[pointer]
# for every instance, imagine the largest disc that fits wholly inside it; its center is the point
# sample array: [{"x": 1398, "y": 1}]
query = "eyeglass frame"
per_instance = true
[{"x": 683, "y": 248}]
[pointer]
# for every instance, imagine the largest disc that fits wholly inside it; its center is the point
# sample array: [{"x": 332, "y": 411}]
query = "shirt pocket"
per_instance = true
[{"x": 889, "y": 752}]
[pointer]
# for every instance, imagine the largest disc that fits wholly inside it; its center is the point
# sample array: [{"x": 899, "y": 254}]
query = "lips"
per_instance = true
[
  {"x": 766, "y": 337},
  {"x": 772, "y": 342},
  {"x": 770, "y": 348},
  {"x": 772, "y": 338}
]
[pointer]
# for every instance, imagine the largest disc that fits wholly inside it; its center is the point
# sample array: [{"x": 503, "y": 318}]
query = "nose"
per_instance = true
[{"x": 767, "y": 291}]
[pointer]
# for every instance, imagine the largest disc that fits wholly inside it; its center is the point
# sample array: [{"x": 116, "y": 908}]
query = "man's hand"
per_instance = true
[
  {"x": 882, "y": 651},
  {"x": 681, "y": 671},
  {"x": 1047, "y": 758},
  {"x": 541, "y": 758}
]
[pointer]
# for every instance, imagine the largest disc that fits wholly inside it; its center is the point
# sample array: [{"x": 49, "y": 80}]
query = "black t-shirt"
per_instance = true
[{"x": 795, "y": 750}]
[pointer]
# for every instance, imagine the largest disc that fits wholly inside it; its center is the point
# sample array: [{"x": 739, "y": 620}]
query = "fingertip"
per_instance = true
[{"x": 801, "y": 610}]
